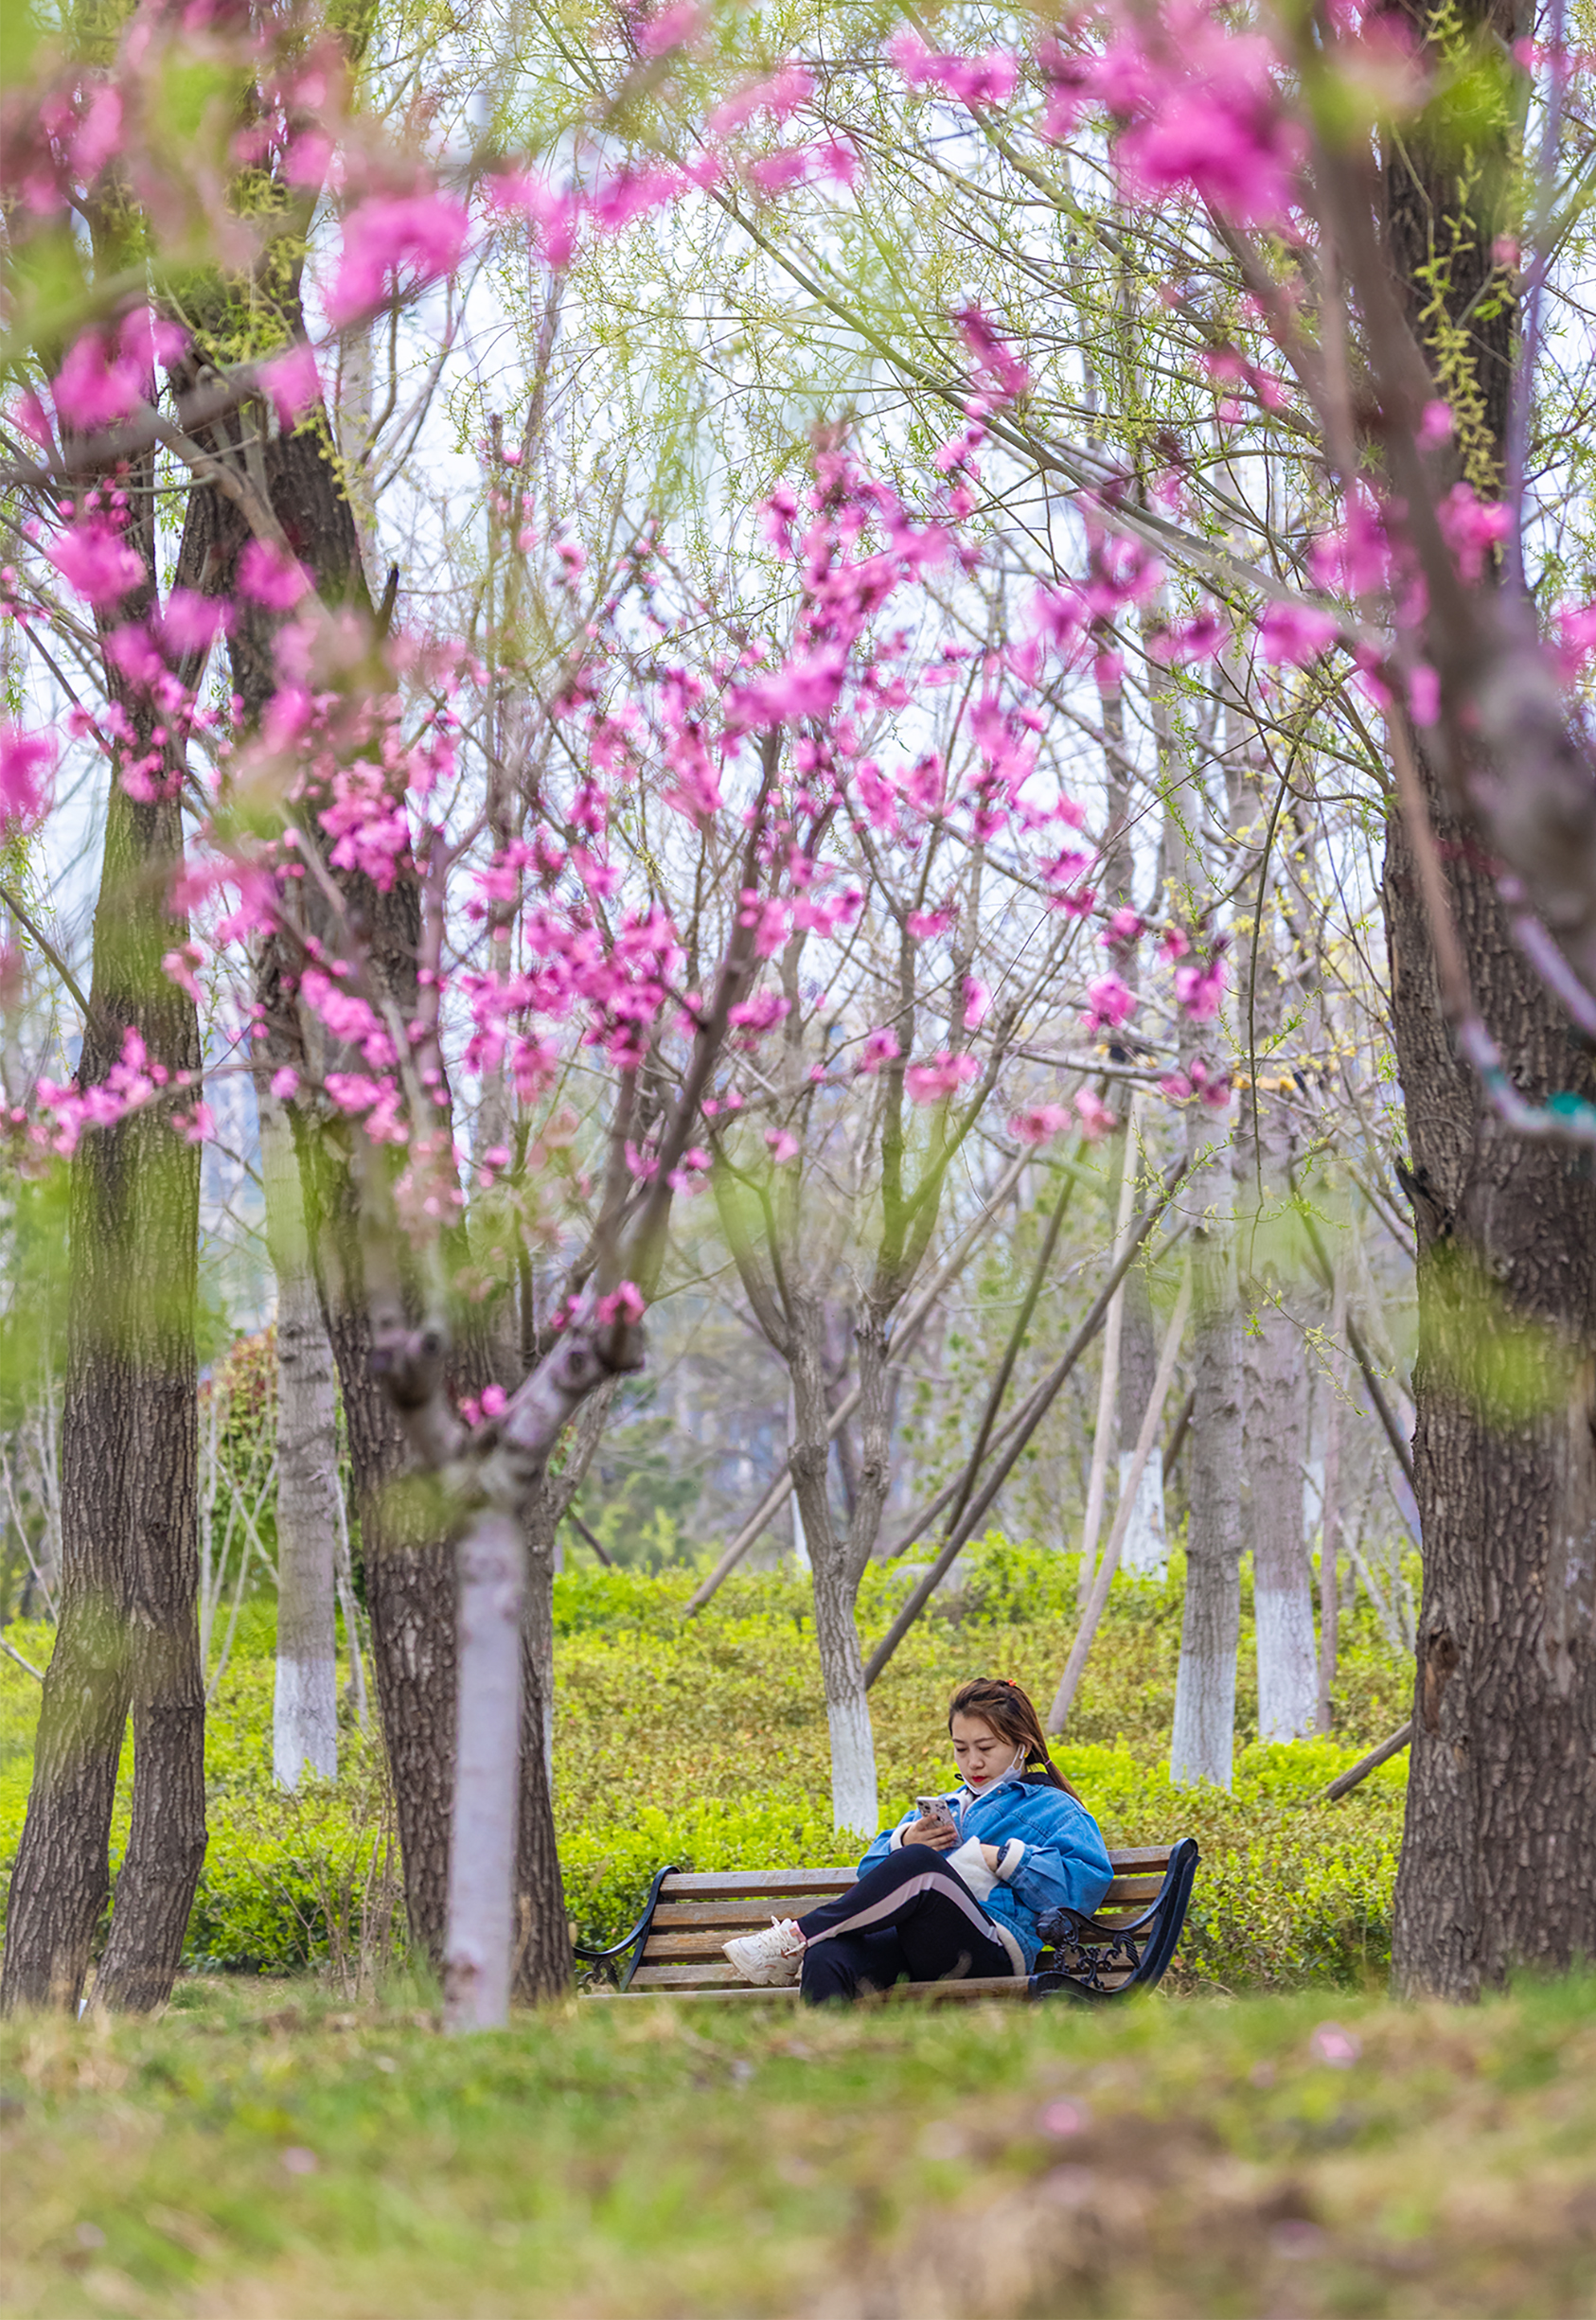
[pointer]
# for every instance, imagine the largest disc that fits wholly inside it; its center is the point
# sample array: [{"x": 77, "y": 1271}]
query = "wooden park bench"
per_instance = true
[{"x": 674, "y": 1949}]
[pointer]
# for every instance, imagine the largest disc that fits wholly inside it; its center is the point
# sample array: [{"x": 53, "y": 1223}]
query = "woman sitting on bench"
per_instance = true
[{"x": 955, "y": 1890}]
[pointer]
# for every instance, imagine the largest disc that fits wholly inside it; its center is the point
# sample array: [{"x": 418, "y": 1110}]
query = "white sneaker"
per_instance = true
[{"x": 771, "y": 1958}]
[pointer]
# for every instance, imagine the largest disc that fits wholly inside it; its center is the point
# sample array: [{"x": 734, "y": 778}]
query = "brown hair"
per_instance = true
[{"x": 1013, "y": 1716}]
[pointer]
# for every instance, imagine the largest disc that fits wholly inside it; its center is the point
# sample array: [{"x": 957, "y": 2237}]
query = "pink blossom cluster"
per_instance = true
[{"x": 1199, "y": 107}]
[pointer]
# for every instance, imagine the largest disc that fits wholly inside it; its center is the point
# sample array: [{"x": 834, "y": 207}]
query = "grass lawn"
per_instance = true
[{"x": 263, "y": 2152}]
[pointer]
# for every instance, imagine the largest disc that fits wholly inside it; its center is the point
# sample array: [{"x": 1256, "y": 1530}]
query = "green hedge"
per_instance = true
[{"x": 703, "y": 1741}]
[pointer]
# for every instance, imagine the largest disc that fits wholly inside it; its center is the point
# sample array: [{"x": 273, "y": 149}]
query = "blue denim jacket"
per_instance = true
[{"x": 1051, "y": 1854}]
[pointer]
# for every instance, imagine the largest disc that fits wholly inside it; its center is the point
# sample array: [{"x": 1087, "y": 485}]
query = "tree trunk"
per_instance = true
[
  {"x": 409, "y": 1566},
  {"x": 127, "y": 1636},
  {"x": 305, "y": 1706},
  {"x": 1274, "y": 1375},
  {"x": 1146, "y": 1552},
  {"x": 478, "y": 1961},
  {"x": 1282, "y": 1593},
  {"x": 854, "y": 1804},
  {"x": 1202, "y": 1741},
  {"x": 543, "y": 1945},
  {"x": 1330, "y": 1502},
  {"x": 1500, "y": 1832}
]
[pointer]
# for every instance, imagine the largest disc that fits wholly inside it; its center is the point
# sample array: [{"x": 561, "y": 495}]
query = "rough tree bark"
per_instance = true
[
  {"x": 1500, "y": 1832},
  {"x": 305, "y": 1704},
  {"x": 127, "y": 1636}
]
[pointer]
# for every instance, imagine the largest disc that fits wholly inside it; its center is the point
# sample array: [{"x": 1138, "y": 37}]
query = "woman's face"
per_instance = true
[{"x": 982, "y": 1755}]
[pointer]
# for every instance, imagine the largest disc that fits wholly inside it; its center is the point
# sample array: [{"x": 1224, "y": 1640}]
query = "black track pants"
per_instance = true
[{"x": 910, "y": 1915}]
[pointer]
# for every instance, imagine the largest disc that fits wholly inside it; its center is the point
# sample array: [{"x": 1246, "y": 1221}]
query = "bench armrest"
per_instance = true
[{"x": 633, "y": 1939}]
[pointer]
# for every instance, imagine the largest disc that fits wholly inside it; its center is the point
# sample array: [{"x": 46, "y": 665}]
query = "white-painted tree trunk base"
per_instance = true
[
  {"x": 854, "y": 1802},
  {"x": 1202, "y": 1743},
  {"x": 305, "y": 1720},
  {"x": 479, "y": 1950},
  {"x": 1145, "y": 1551},
  {"x": 1287, "y": 1663}
]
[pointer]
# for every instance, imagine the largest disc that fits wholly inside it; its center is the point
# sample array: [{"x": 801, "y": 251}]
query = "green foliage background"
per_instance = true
[{"x": 704, "y": 1742}]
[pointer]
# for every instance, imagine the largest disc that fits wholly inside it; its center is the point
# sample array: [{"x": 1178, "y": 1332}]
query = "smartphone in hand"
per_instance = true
[{"x": 934, "y": 1808}]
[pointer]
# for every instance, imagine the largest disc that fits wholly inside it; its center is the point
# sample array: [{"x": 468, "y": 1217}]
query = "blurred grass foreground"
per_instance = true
[{"x": 247, "y": 2159}]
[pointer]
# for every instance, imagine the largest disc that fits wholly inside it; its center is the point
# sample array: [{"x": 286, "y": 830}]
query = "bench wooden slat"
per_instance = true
[
  {"x": 736, "y": 1914},
  {"x": 702, "y": 1975},
  {"x": 1125, "y": 1890},
  {"x": 731, "y": 1881},
  {"x": 680, "y": 1945}
]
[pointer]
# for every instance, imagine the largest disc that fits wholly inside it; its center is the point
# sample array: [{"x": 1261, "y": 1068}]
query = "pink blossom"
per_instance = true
[
  {"x": 1094, "y": 1116},
  {"x": 178, "y": 967},
  {"x": 807, "y": 686},
  {"x": 27, "y": 760},
  {"x": 93, "y": 559},
  {"x": 534, "y": 1066},
  {"x": 308, "y": 158},
  {"x": 294, "y": 383},
  {"x": 676, "y": 25},
  {"x": 989, "y": 351},
  {"x": 555, "y": 214},
  {"x": 1436, "y": 425},
  {"x": 990, "y": 79},
  {"x": 98, "y": 131},
  {"x": 269, "y": 578},
  {"x": 189, "y": 622},
  {"x": 493, "y": 1399},
  {"x": 1356, "y": 559},
  {"x": 625, "y": 1303},
  {"x": 200, "y": 1126},
  {"x": 1339, "y": 2048},
  {"x": 1039, "y": 1122},
  {"x": 92, "y": 390},
  {"x": 1472, "y": 526},
  {"x": 285, "y": 1083},
  {"x": 1110, "y": 1001},
  {"x": 880, "y": 1047},
  {"x": 1124, "y": 925},
  {"x": 1197, "y": 639},
  {"x": 630, "y": 194},
  {"x": 800, "y": 164},
  {"x": 419, "y": 235},
  {"x": 761, "y": 1012},
  {"x": 1575, "y": 632},
  {"x": 977, "y": 999},
  {"x": 1294, "y": 632},
  {"x": 1201, "y": 111},
  {"x": 783, "y": 1144},
  {"x": 934, "y": 1082},
  {"x": 1424, "y": 693},
  {"x": 1199, "y": 986},
  {"x": 780, "y": 96},
  {"x": 925, "y": 926}
]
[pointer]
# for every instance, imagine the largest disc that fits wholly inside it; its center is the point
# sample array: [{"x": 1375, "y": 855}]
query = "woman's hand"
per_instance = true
[{"x": 940, "y": 1836}]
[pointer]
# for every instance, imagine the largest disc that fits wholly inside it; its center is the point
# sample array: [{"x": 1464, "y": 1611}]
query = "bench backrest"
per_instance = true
[{"x": 696, "y": 1913}]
